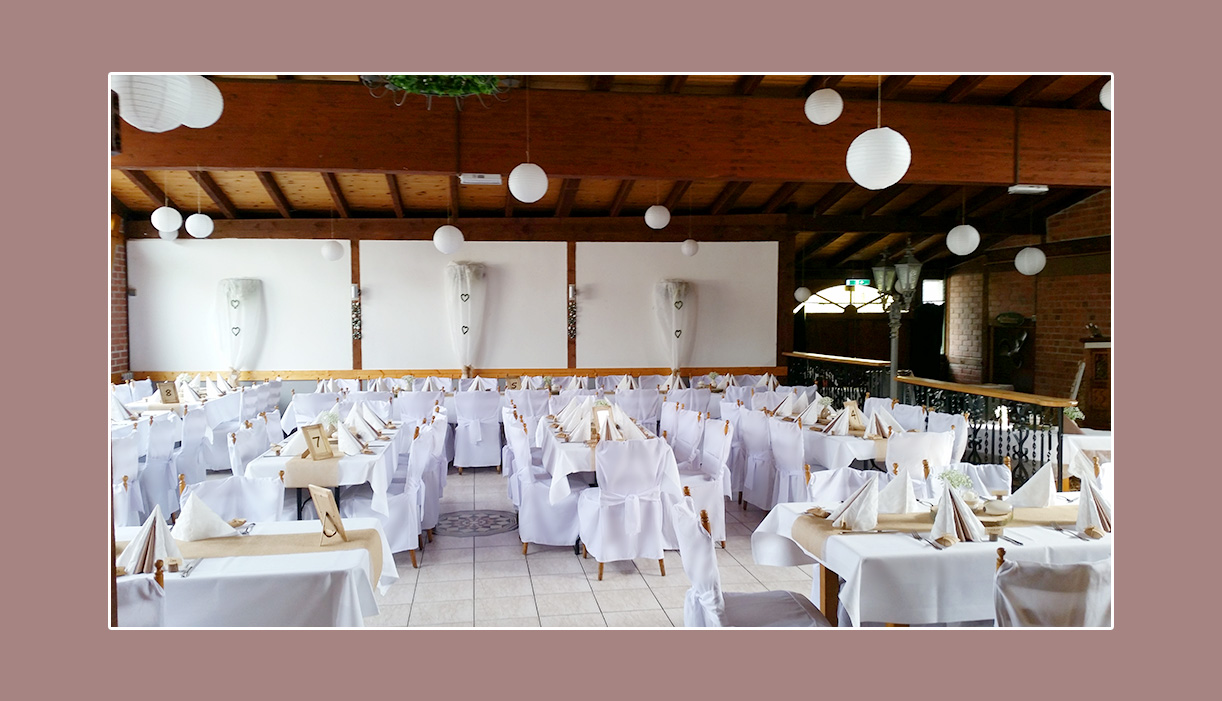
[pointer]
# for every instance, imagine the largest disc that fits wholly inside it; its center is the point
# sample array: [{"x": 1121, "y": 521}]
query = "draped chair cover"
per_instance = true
[
  {"x": 158, "y": 482},
  {"x": 477, "y": 438},
  {"x": 623, "y": 518},
  {"x": 759, "y": 479},
  {"x": 466, "y": 295},
  {"x": 239, "y": 321},
  {"x": 788, "y": 458},
  {"x": 129, "y": 499},
  {"x": 1053, "y": 595},
  {"x": 675, "y": 305},
  {"x": 708, "y": 478}
]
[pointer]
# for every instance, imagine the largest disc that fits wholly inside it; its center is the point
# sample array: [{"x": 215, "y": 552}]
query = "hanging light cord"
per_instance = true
[
  {"x": 198, "y": 189},
  {"x": 528, "y": 119},
  {"x": 880, "y": 101}
]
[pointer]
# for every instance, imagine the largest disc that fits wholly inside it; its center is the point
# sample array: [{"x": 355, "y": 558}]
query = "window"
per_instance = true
[
  {"x": 836, "y": 299},
  {"x": 933, "y": 291}
]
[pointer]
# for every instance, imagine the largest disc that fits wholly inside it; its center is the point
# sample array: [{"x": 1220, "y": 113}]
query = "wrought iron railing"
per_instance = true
[
  {"x": 1001, "y": 423},
  {"x": 840, "y": 377}
]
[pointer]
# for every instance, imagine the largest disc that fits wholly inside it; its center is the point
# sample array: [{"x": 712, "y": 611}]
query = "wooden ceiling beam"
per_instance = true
[
  {"x": 214, "y": 192},
  {"x": 117, "y": 207},
  {"x": 894, "y": 84},
  {"x": 453, "y": 196},
  {"x": 1088, "y": 96},
  {"x": 935, "y": 197},
  {"x": 676, "y": 194},
  {"x": 274, "y": 192},
  {"x": 959, "y": 89},
  {"x": 674, "y": 84},
  {"x": 396, "y": 197},
  {"x": 883, "y": 199},
  {"x": 1029, "y": 88},
  {"x": 832, "y": 196},
  {"x": 860, "y": 244},
  {"x": 727, "y": 197},
  {"x": 621, "y": 194},
  {"x": 142, "y": 180},
  {"x": 602, "y": 83},
  {"x": 748, "y": 83},
  {"x": 989, "y": 196},
  {"x": 568, "y": 193},
  {"x": 781, "y": 196},
  {"x": 337, "y": 195},
  {"x": 815, "y": 244},
  {"x": 904, "y": 224},
  {"x": 818, "y": 82}
]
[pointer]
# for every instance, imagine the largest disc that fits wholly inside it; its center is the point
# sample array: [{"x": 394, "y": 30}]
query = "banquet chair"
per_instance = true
[
  {"x": 344, "y": 385},
  {"x": 830, "y": 487},
  {"x": 477, "y": 439},
  {"x": 247, "y": 443},
  {"x": 730, "y": 412},
  {"x": 188, "y": 458},
  {"x": 444, "y": 384},
  {"x": 788, "y": 460},
  {"x": 222, "y": 416},
  {"x": 530, "y": 403},
  {"x": 414, "y": 407},
  {"x": 642, "y": 405},
  {"x": 608, "y": 383},
  {"x": 696, "y": 399},
  {"x": 985, "y": 478},
  {"x": 271, "y": 420},
  {"x": 479, "y": 384},
  {"x": 122, "y": 392},
  {"x": 759, "y": 478},
  {"x": 686, "y": 439},
  {"x": 908, "y": 453},
  {"x": 958, "y": 423},
  {"x": 157, "y": 480},
  {"x": 708, "y": 480},
  {"x": 650, "y": 381},
  {"x": 747, "y": 380},
  {"x": 622, "y": 518},
  {"x": 142, "y": 389},
  {"x": 308, "y": 405},
  {"x": 273, "y": 395},
  {"x": 739, "y": 393},
  {"x": 871, "y": 404},
  {"x": 667, "y": 419},
  {"x": 140, "y": 601},
  {"x": 1038, "y": 594},
  {"x": 255, "y": 499},
  {"x": 910, "y": 416},
  {"x": 434, "y": 476},
  {"x": 539, "y": 520},
  {"x": 769, "y": 399},
  {"x": 707, "y": 606},
  {"x": 128, "y": 499},
  {"x": 251, "y": 401},
  {"x": 405, "y": 500}
]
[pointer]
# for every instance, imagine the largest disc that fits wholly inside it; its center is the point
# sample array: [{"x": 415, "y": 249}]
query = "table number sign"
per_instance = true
[
  {"x": 168, "y": 392},
  {"x": 513, "y": 383},
  {"x": 318, "y": 447},
  {"x": 328, "y": 514}
]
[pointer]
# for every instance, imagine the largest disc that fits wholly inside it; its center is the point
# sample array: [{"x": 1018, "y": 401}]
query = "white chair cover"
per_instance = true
[
  {"x": 345, "y": 385},
  {"x": 710, "y": 485},
  {"x": 622, "y": 518},
  {"x": 308, "y": 405},
  {"x": 686, "y": 440},
  {"x": 730, "y": 411},
  {"x": 651, "y": 381},
  {"x": 759, "y": 477},
  {"x": 255, "y": 499},
  {"x": 158, "y": 482},
  {"x": 830, "y": 487},
  {"x": 740, "y": 393},
  {"x": 405, "y": 500},
  {"x": 142, "y": 389},
  {"x": 539, "y": 520},
  {"x": 124, "y": 461},
  {"x": 273, "y": 395},
  {"x": 911, "y": 417},
  {"x": 272, "y": 422},
  {"x": 985, "y": 478},
  {"x": 140, "y": 601},
  {"x": 188, "y": 460},
  {"x": 608, "y": 383},
  {"x": 435, "y": 474},
  {"x": 222, "y": 415},
  {"x": 667, "y": 419},
  {"x": 122, "y": 392},
  {"x": 643, "y": 405},
  {"x": 414, "y": 407},
  {"x": 910, "y": 451},
  {"x": 477, "y": 438},
  {"x": 530, "y": 403},
  {"x": 872, "y": 404},
  {"x": 951, "y": 422},
  {"x": 1047, "y": 595},
  {"x": 788, "y": 461}
]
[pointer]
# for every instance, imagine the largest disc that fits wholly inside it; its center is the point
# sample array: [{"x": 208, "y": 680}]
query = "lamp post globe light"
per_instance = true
[{"x": 897, "y": 286}]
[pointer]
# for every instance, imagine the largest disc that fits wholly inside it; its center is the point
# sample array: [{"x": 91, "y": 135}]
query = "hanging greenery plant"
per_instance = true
[{"x": 430, "y": 86}]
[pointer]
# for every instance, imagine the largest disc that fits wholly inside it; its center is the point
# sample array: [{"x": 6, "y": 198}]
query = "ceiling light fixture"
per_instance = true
[
  {"x": 528, "y": 182},
  {"x": 878, "y": 158}
]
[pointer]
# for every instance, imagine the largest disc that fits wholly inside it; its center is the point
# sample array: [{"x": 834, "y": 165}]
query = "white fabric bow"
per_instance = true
[{"x": 632, "y": 506}]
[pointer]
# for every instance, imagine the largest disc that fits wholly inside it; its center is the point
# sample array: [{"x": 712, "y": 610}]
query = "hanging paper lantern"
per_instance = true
[
  {"x": 824, "y": 106},
  {"x": 153, "y": 103},
  {"x": 1030, "y": 261},
  {"x": 801, "y": 294},
  {"x": 1105, "y": 96},
  {"x": 332, "y": 250},
  {"x": 657, "y": 217},
  {"x": 878, "y": 158},
  {"x": 528, "y": 182},
  {"x": 199, "y": 225},
  {"x": 206, "y": 103},
  {"x": 448, "y": 238},
  {"x": 168, "y": 235},
  {"x": 166, "y": 219},
  {"x": 689, "y": 247},
  {"x": 963, "y": 239}
]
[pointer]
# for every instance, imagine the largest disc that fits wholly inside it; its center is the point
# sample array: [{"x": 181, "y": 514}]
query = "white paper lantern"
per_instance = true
[
  {"x": 1105, "y": 95},
  {"x": 801, "y": 294},
  {"x": 447, "y": 238},
  {"x": 166, "y": 219},
  {"x": 689, "y": 247},
  {"x": 963, "y": 239},
  {"x": 206, "y": 103},
  {"x": 824, "y": 106},
  {"x": 332, "y": 250},
  {"x": 528, "y": 182},
  {"x": 169, "y": 234},
  {"x": 199, "y": 225},
  {"x": 878, "y": 158},
  {"x": 153, "y": 103},
  {"x": 1030, "y": 261},
  {"x": 657, "y": 217}
]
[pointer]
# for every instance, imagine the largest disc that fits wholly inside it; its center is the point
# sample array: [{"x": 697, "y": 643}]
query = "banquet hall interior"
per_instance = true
[{"x": 593, "y": 351}]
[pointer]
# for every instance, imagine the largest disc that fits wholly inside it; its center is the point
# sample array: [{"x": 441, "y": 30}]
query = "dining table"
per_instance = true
[
  {"x": 897, "y": 578},
  {"x": 322, "y": 586},
  {"x": 562, "y": 457}
]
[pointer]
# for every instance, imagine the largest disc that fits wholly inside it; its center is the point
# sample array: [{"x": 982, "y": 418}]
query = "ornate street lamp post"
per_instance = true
[{"x": 897, "y": 285}]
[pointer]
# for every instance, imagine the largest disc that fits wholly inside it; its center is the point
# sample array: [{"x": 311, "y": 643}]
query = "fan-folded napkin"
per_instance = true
[
  {"x": 898, "y": 497},
  {"x": 357, "y": 424},
  {"x": 882, "y": 424},
  {"x": 222, "y": 384},
  {"x": 860, "y": 511},
  {"x": 1038, "y": 491},
  {"x": 295, "y": 445},
  {"x": 348, "y": 444},
  {"x": 1094, "y": 511},
  {"x": 151, "y": 544},
  {"x": 955, "y": 522},
  {"x": 118, "y": 412},
  {"x": 625, "y": 384},
  {"x": 212, "y": 389},
  {"x": 197, "y": 521}
]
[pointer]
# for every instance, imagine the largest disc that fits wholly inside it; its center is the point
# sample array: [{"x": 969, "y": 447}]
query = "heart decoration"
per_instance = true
[
  {"x": 236, "y": 330},
  {"x": 679, "y": 304},
  {"x": 234, "y": 303},
  {"x": 465, "y": 296},
  {"x": 465, "y": 330},
  {"x": 678, "y": 333}
]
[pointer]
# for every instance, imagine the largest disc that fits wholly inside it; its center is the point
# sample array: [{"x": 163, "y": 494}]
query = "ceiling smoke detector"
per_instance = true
[
  {"x": 483, "y": 179},
  {"x": 1028, "y": 189}
]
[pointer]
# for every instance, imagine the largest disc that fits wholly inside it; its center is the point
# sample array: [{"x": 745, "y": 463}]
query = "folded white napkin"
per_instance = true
[
  {"x": 838, "y": 426},
  {"x": 295, "y": 445},
  {"x": 357, "y": 424},
  {"x": 898, "y": 497},
  {"x": 785, "y": 408},
  {"x": 348, "y": 444},
  {"x": 195, "y": 383},
  {"x": 222, "y": 384},
  {"x": 625, "y": 384},
  {"x": 152, "y": 543},
  {"x": 800, "y": 403},
  {"x": 1094, "y": 511},
  {"x": 882, "y": 424},
  {"x": 860, "y": 511},
  {"x": 187, "y": 393},
  {"x": 212, "y": 389},
  {"x": 118, "y": 412},
  {"x": 374, "y": 417},
  {"x": 955, "y": 522},
  {"x": 730, "y": 381},
  {"x": 198, "y": 521},
  {"x": 629, "y": 429},
  {"x": 1038, "y": 491},
  {"x": 580, "y": 416}
]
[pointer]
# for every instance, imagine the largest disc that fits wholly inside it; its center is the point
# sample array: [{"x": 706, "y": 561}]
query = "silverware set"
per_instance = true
[
  {"x": 1057, "y": 527},
  {"x": 190, "y": 567}
]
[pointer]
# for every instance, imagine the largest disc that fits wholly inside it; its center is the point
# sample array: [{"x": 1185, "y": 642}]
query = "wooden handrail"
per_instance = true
[
  {"x": 490, "y": 373},
  {"x": 983, "y": 391},
  {"x": 840, "y": 359}
]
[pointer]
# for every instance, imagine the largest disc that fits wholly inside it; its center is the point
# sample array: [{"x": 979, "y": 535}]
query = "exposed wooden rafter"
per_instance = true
[
  {"x": 748, "y": 83},
  {"x": 676, "y": 193},
  {"x": 1029, "y": 88},
  {"x": 818, "y": 82},
  {"x": 935, "y": 197},
  {"x": 337, "y": 195},
  {"x": 621, "y": 194},
  {"x": 860, "y": 244},
  {"x": 675, "y": 83},
  {"x": 883, "y": 199},
  {"x": 1088, "y": 96},
  {"x": 959, "y": 89},
  {"x": 894, "y": 84},
  {"x": 727, "y": 197},
  {"x": 117, "y": 207},
  {"x": 568, "y": 193},
  {"x": 834, "y": 195},
  {"x": 602, "y": 83},
  {"x": 218, "y": 197},
  {"x": 274, "y": 192},
  {"x": 396, "y": 198},
  {"x": 781, "y": 196},
  {"x": 816, "y": 244},
  {"x": 142, "y": 180}
]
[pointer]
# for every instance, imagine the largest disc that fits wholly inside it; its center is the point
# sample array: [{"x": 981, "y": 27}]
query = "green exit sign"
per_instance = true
[{"x": 853, "y": 283}]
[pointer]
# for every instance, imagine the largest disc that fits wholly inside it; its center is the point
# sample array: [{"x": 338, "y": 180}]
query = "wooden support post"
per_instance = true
[{"x": 829, "y": 594}]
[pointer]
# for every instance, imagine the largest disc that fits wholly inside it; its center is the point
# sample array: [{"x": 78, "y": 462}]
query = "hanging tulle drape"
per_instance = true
[
  {"x": 465, "y": 297},
  {"x": 239, "y": 320},
  {"x": 675, "y": 304}
]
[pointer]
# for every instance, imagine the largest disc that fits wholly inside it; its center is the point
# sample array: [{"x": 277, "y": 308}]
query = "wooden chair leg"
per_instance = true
[
  {"x": 600, "y": 571},
  {"x": 430, "y": 535},
  {"x": 585, "y": 554},
  {"x": 498, "y": 469},
  {"x": 662, "y": 566},
  {"x": 723, "y": 545},
  {"x": 459, "y": 469},
  {"x": 740, "y": 497},
  {"x": 413, "y": 554},
  {"x": 524, "y": 546}
]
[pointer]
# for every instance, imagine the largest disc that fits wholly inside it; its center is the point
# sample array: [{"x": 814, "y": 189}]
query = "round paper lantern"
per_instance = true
[
  {"x": 824, "y": 106},
  {"x": 1030, "y": 261},
  {"x": 689, "y": 247},
  {"x": 332, "y": 250},
  {"x": 206, "y": 103},
  {"x": 801, "y": 294},
  {"x": 448, "y": 238},
  {"x": 1105, "y": 95},
  {"x": 528, "y": 182},
  {"x": 199, "y": 225},
  {"x": 878, "y": 158},
  {"x": 169, "y": 234},
  {"x": 657, "y": 217},
  {"x": 166, "y": 219},
  {"x": 963, "y": 239},
  {"x": 153, "y": 103}
]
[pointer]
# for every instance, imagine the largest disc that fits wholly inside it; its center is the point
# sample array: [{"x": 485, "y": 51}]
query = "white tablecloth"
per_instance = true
[
  {"x": 893, "y": 578},
  {"x": 561, "y": 459},
  {"x": 328, "y": 589},
  {"x": 825, "y": 451}
]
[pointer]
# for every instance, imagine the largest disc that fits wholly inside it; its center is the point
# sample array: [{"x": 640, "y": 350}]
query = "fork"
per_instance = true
[
  {"x": 186, "y": 571},
  {"x": 1057, "y": 527}
]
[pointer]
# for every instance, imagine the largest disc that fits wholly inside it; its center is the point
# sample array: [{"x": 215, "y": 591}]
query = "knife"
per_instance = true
[
  {"x": 186, "y": 571},
  {"x": 1009, "y": 539}
]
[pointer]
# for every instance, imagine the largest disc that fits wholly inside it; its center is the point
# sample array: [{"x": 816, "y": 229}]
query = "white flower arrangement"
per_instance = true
[
  {"x": 602, "y": 402},
  {"x": 329, "y": 419},
  {"x": 1073, "y": 413},
  {"x": 956, "y": 479},
  {"x": 713, "y": 375},
  {"x": 183, "y": 377},
  {"x": 825, "y": 401}
]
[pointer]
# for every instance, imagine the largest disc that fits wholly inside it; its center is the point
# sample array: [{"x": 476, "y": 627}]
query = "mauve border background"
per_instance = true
[{"x": 58, "y": 281}]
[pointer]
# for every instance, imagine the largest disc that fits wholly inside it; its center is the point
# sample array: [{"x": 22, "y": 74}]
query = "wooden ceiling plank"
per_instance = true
[
  {"x": 1029, "y": 88},
  {"x": 894, "y": 84},
  {"x": 816, "y": 243},
  {"x": 602, "y": 83},
  {"x": 748, "y": 83},
  {"x": 727, "y": 197},
  {"x": 781, "y": 196},
  {"x": 274, "y": 192},
  {"x": 621, "y": 195},
  {"x": 676, "y": 194},
  {"x": 675, "y": 83},
  {"x": 959, "y": 89},
  {"x": 989, "y": 196},
  {"x": 568, "y": 193},
  {"x": 214, "y": 192},
  {"x": 396, "y": 197},
  {"x": 117, "y": 207},
  {"x": 818, "y": 82},
  {"x": 142, "y": 180},
  {"x": 1088, "y": 96},
  {"x": 882, "y": 199},
  {"x": 935, "y": 197},
  {"x": 833, "y": 196},
  {"x": 337, "y": 196},
  {"x": 860, "y": 244},
  {"x": 453, "y": 196}
]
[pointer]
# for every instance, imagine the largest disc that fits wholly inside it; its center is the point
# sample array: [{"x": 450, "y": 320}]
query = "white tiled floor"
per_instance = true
[{"x": 487, "y": 582}]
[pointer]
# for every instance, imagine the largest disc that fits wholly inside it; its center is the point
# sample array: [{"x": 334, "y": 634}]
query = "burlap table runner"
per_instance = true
[
  {"x": 281, "y": 544},
  {"x": 302, "y": 472},
  {"x": 812, "y": 532}
]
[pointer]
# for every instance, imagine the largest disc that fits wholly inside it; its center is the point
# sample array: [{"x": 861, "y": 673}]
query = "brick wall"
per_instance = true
[
  {"x": 963, "y": 342},
  {"x": 1090, "y": 217},
  {"x": 119, "y": 360}
]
